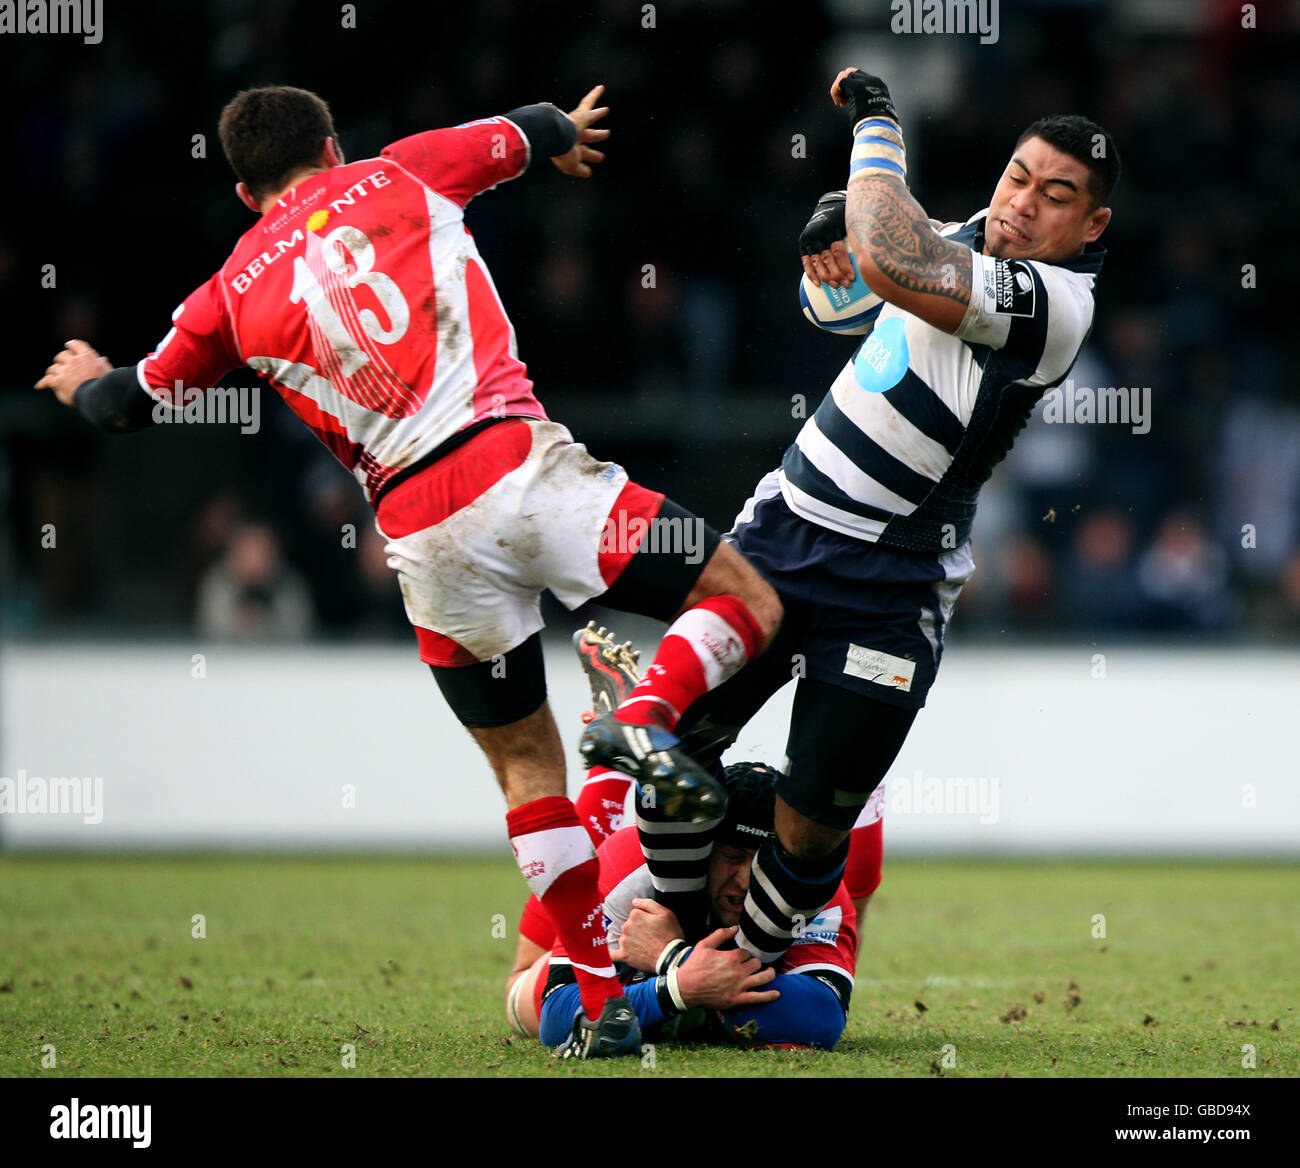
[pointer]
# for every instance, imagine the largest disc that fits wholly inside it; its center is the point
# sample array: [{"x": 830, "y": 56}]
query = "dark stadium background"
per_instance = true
[{"x": 689, "y": 384}]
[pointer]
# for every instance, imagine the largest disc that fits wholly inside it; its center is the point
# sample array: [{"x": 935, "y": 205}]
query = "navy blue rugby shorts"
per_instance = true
[{"x": 866, "y": 618}]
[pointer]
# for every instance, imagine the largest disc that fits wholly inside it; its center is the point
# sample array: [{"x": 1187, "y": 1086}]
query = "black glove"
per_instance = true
[
  {"x": 868, "y": 97},
  {"x": 826, "y": 225}
]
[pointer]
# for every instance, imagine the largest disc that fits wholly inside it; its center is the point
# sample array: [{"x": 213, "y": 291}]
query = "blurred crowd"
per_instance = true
[{"x": 655, "y": 304}]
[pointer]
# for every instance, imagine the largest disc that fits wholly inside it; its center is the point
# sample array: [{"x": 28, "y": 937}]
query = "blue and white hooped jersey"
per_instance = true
[{"x": 915, "y": 423}]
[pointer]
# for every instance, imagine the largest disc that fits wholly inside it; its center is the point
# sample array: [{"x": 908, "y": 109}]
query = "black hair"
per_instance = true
[
  {"x": 1085, "y": 141},
  {"x": 270, "y": 132}
]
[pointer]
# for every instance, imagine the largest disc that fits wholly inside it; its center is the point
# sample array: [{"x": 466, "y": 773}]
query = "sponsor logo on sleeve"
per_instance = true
[{"x": 1009, "y": 288}]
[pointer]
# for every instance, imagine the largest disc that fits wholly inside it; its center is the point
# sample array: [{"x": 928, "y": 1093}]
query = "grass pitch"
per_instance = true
[{"x": 973, "y": 969}]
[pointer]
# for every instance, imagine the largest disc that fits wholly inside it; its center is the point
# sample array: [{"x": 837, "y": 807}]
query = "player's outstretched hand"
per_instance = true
[
  {"x": 577, "y": 162},
  {"x": 77, "y": 363},
  {"x": 721, "y": 979},
  {"x": 865, "y": 95},
  {"x": 650, "y": 926}
]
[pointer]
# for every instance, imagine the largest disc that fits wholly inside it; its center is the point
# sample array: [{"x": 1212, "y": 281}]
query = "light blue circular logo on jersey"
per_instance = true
[{"x": 882, "y": 359}]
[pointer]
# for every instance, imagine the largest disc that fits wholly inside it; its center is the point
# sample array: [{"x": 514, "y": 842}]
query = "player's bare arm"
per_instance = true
[
  {"x": 823, "y": 243},
  {"x": 901, "y": 256}
]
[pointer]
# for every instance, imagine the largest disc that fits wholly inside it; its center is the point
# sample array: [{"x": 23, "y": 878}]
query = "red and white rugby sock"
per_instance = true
[
  {"x": 701, "y": 649},
  {"x": 558, "y": 863},
  {"x": 599, "y": 806},
  {"x": 600, "y": 803}
]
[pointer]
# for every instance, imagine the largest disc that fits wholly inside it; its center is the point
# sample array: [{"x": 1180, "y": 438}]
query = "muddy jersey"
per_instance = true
[{"x": 361, "y": 296}]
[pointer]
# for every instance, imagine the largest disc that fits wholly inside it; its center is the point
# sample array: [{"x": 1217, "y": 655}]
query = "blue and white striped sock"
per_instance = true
[{"x": 785, "y": 895}]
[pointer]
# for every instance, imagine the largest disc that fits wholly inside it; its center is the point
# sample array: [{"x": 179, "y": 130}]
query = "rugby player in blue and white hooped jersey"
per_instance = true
[{"x": 864, "y": 530}]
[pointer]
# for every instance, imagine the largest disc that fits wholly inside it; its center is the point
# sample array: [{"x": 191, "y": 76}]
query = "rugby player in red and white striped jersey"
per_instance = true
[{"x": 361, "y": 296}]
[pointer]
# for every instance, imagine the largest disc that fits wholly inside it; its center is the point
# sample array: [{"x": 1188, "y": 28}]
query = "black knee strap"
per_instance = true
[
  {"x": 497, "y": 692},
  {"x": 668, "y": 561}
]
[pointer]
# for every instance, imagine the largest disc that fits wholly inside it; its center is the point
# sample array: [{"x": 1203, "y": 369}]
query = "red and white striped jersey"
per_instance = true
[
  {"x": 362, "y": 297},
  {"x": 828, "y": 942}
]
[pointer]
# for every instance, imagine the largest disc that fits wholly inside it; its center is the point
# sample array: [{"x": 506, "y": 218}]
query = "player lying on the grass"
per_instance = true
[
  {"x": 361, "y": 296},
  {"x": 613, "y": 671},
  {"x": 695, "y": 983},
  {"x": 864, "y": 530}
]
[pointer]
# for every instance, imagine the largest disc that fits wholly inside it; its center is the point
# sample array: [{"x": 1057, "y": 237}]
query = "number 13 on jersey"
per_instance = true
[{"x": 346, "y": 260}]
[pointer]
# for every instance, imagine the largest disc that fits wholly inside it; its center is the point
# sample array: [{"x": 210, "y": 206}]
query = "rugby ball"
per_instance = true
[{"x": 852, "y": 310}]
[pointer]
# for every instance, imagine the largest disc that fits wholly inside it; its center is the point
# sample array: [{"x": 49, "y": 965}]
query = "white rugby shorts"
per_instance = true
[{"x": 476, "y": 536}]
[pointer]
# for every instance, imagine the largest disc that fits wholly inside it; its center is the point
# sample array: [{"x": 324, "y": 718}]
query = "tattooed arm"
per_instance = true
[{"x": 901, "y": 256}]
